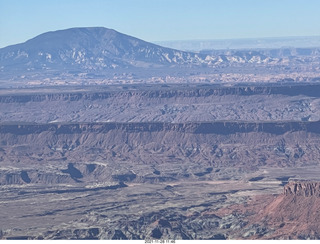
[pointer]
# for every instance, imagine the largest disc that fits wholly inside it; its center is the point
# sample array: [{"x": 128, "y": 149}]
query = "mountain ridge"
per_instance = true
[
  {"x": 97, "y": 55},
  {"x": 90, "y": 48}
]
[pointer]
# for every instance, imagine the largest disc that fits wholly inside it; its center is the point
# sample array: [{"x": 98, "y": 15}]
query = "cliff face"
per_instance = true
[
  {"x": 295, "y": 213},
  {"x": 292, "y": 215},
  {"x": 302, "y": 188},
  {"x": 206, "y": 146},
  {"x": 219, "y": 127},
  {"x": 174, "y": 104},
  {"x": 289, "y": 90}
]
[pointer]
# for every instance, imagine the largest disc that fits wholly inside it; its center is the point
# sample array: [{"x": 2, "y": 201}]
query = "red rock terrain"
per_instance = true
[{"x": 294, "y": 214}]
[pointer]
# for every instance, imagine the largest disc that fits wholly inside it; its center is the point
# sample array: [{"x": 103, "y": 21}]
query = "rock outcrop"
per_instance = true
[
  {"x": 292, "y": 215},
  {"x": 302, "y": 188}
]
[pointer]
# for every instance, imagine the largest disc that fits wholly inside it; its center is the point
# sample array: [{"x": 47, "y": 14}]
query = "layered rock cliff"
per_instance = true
[
  {"x": 174, "y": 104},
  {"x": 218, "y": 127},
  {"x": 302, "y": 188},
  {"x": 295, "y": 213},
  {"x": 165, "y": 92},
  {"x": 208, "y": 147}
]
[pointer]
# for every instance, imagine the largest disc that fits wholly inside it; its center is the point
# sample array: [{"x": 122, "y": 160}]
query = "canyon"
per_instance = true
[
  {"x": 113, "y": 163},
  {"x": 106, "y": 136}
]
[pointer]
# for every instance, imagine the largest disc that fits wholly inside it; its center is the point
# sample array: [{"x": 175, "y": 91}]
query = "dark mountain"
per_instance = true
[{"x": 90, "y": 49}]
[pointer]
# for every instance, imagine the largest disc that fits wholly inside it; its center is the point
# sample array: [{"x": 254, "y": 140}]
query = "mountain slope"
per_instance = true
[
  {"x": 91, "y": 49},
  {"x": 97, "y": 55}
]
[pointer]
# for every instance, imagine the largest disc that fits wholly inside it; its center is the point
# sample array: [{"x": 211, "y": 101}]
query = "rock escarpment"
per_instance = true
[
  {"x": 187, "y": 92},
  {"x": 218, "y": 127},
  {"x": 292, "y": 215},
  {"x": 163, "y": 103},
  {"x": 169, "y": 151},
  {"x": 302, "y": 188}
]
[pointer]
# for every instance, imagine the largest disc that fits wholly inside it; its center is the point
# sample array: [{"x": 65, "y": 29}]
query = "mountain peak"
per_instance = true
[
  {"x": 89, "y": 48},
  {"x": 73, "y": 38},
  {"x": 95, "y": 51}
]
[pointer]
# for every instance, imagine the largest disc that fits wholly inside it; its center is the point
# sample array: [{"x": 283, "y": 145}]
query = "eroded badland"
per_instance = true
[{"x": 105, "y": 136}]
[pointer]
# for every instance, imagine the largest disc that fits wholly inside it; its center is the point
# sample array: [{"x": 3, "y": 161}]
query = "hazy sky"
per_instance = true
[{"x": 161, "y": 20}]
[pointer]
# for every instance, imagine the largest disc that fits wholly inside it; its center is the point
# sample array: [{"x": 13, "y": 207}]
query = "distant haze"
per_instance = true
[
  {"x": 161, "y": 20},
  {"x": 249, "y": 43}
]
